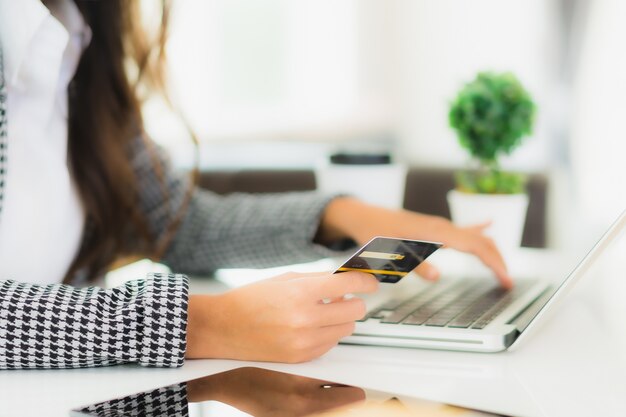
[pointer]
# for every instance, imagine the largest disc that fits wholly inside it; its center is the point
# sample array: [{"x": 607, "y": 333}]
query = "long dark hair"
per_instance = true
[{"x": 104, "y": 117}]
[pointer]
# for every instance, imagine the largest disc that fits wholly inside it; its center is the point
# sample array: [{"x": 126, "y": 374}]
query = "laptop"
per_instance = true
[{"x": 473, "y": 315}]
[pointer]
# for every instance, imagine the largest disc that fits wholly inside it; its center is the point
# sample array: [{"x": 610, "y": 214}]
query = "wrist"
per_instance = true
[
  {"x": 347, "y": 217},
  {"x": 203, "y": 321},
  {"x": 361, "y": 221},
  {"x": 337, "y": 220},
  {"x": 208, "y": 388},
  {"x": 434, "y": 227}
]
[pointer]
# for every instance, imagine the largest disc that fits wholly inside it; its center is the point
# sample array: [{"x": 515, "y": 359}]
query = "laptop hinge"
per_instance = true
[{"x": 526, "y": 316}]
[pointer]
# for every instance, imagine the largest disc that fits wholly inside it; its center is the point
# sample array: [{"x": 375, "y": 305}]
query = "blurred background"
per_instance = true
[{"x": 281, "y": 84}]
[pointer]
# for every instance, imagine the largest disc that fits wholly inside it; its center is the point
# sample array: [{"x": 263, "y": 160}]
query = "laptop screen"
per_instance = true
[
  {"x": 587, "y": 245},
  {"x": 583, "y": 237}
]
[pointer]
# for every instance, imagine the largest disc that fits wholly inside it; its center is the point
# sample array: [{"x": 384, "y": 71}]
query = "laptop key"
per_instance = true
[
  {"x": 416, "y": 319},
  {"x": 387, "y": 308},
  {"x": 490, "y": 299},
  {"x": 421, "y": 310},
  {"x": 437, "y": 322},
  {"x": 457, "y": 306},
  {"x": 394, "y": 303},
  {"x": 400, "y": 308},
  {"x": 400, "y": 314},
  {"x": 494, "y": 311},
  {"x": 481, "y": 324},
  {"x": 460, "y": 324},
  {"x": 380, "y": 314},
  {"x": 396, "y": 317},
  {"x": 441, "y": 302}
]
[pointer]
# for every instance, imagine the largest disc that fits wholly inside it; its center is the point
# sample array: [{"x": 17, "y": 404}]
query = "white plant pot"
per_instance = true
[
  {"x": 506, "y": 212},
  {"x": 381, "y": 185}
]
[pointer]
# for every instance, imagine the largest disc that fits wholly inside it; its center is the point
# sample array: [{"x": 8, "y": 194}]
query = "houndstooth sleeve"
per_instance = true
[
  {"x": 247, "y": 231},
  {"x": 58, "y": 326},
  {"x": 237, "y": 230},
  {"x": 162, "y": 402}
]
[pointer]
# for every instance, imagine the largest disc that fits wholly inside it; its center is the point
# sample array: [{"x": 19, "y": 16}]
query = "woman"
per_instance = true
[{"x": 81, "y": 186}]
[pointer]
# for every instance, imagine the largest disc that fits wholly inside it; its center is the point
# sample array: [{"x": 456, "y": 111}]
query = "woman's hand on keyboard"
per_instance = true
[
  {"x": 347, "y": 217},
  {"x": 282, "y": 319}
]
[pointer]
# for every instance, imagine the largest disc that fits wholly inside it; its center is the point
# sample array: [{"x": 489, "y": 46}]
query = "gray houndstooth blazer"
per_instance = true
[{"x": 144, "y": 321}]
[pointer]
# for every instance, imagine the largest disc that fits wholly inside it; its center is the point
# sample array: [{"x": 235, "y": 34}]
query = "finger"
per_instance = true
[
  {"x": 492, "y": 258},
  {"x": 427, "y": 271},
  {"x": 322, "y": 339},
  {"x": 338, "y": 285},
  {"x": 328, "y": 337},
  {"x": 288, "y": 276},
  {"x": 340, "y": 312},
  {"x": 332, "y": 334},
  {"x": 318, "y": 351},
  {"x": 332, "y": 300},
  {"x": 480, "y": 227}
]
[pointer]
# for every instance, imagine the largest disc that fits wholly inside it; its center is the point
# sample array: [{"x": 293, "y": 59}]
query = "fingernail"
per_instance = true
[
  {"x": 509, "y": 282},
  {"x": 432, "y": 275}
]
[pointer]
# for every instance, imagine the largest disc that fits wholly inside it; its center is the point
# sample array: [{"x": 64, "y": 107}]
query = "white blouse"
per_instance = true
[{"x": 42, "y": 218}]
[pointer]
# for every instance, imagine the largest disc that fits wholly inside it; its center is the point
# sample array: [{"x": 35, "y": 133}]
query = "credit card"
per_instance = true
[{"x": 389, "y": 259}]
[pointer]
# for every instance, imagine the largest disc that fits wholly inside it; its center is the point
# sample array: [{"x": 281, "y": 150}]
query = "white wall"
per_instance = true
[
  {"x": 437, "y": 46},
  {"x": 272, "y": 68},
  {"x": 330, "y": 70},
  {"x": 599, "y": 122}
]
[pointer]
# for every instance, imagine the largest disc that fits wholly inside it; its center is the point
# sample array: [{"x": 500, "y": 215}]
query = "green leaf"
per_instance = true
[
  {"x": 491, "y": 115},
  {"x": 491, "y": 181}
]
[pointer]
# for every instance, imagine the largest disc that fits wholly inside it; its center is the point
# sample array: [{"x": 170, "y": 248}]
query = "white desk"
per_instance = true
[{"x": 571, "y": 367}]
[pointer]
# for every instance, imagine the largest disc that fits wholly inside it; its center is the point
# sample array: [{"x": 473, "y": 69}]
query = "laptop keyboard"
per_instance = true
[{"x": 466, "y": 304}]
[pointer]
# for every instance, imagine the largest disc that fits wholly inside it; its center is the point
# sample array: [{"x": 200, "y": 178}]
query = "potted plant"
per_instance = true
[{"x": 491, "y": 116}]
